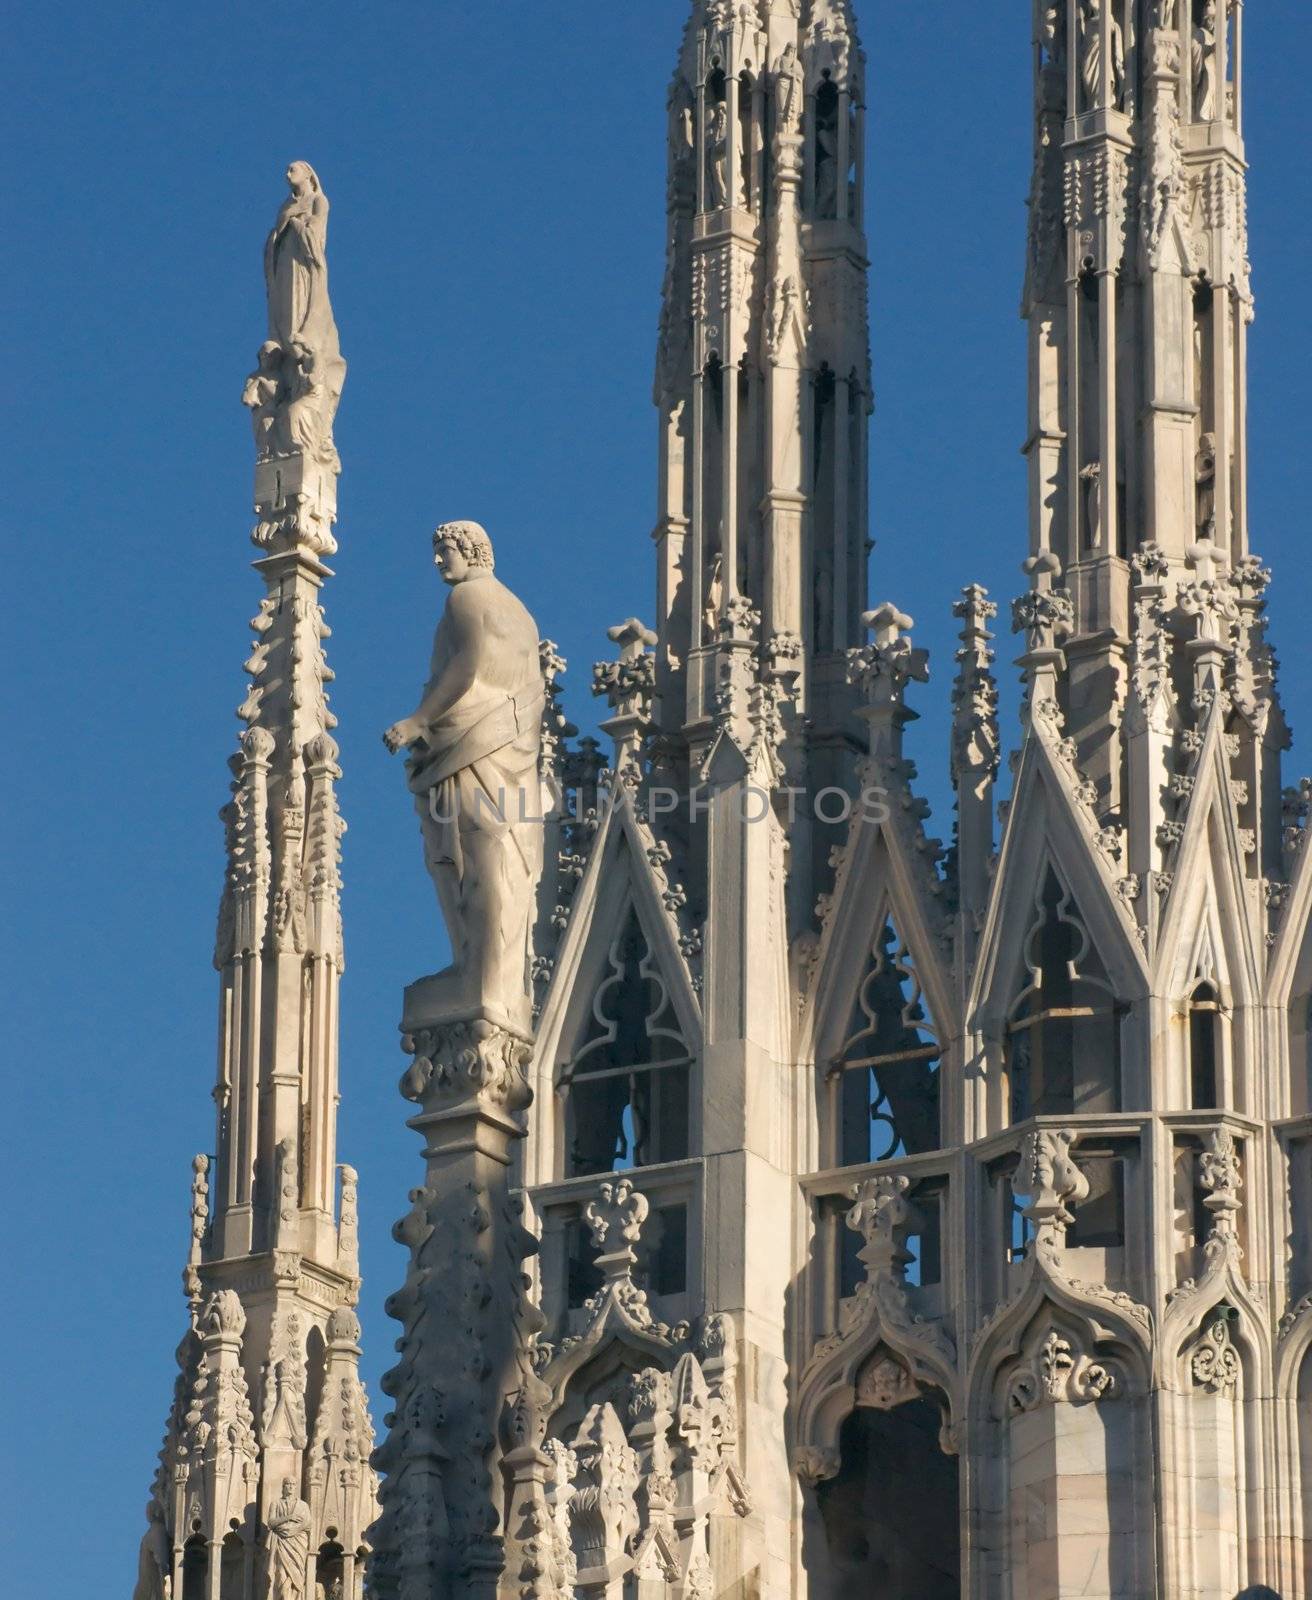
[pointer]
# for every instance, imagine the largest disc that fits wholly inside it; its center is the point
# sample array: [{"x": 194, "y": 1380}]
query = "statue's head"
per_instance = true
[
  {"x": 461, "y": 548},
  {"x": 302, "y": 178},
  {"x": 288, "y": 1489},
  {"x": 270, "y": 355}
]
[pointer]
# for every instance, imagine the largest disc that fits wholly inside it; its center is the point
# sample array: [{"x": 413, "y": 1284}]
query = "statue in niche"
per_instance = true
[
  {"x": 1203, "y": 56},
  {"x": 718, "y": 168},
  {"x": 1091, "y": 478},
  {"x": 288, "y": 1544},
  {"x": 681, "y": 140},
  {"x": 713, "y": 600},
  {"x": 789, "y": 91},
  {"x": 1205, "y": 486},
  {"x": 295, "y": 389},
  {"x": 1091, "y": 57},
  {"x": 826, "y": 166},
  {"x": 474, "y": 742}
]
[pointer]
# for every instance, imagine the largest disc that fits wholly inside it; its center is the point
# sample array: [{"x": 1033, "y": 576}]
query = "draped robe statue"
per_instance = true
[
  {"x": 288, "y": 1545},
  {"x": 473, "y": 769},
  {"x": 294, "y": 392}
]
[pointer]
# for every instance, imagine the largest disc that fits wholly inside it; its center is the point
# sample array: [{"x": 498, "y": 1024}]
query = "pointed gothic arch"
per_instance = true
[
  {"x": 626, "y": 1081},
  {"x": 884, "y": 1080},
  {"x": 1062, "y": 1043},
  {"x": 881, "y": 1000},
  {"x": 619, "y": 1038},
  {"x": 1047, "y": 843}
]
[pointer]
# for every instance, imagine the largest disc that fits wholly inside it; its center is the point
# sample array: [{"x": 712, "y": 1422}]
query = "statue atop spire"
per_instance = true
[{"x": 295, "y": 388}]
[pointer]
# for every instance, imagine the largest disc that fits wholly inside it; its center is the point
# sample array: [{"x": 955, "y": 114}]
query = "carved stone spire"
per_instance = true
[{"x": 264, "y": 1214}]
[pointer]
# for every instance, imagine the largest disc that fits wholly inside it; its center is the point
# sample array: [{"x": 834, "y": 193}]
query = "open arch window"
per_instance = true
[
  {"x": 1206, "y": 1016},
  {"x": 1063, "y": 1032},
  {"x": 885, "y": 1084},
  {"x": 627, "y": 1085}
]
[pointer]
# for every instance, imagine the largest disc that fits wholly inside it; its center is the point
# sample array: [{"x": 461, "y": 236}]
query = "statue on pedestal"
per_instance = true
[
  {"x": 294, "y": 392},
  {"x": 474, "y": 742}
]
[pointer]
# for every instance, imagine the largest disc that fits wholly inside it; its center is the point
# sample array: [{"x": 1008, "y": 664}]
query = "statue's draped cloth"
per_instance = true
[{"x": 479, "y": 795}]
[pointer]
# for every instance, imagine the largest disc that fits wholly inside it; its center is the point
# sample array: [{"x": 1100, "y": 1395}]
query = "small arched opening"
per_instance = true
[
  {"x": 330, "y": 1569},
  {"x": 627, "y": 1086},
  {"x": 195, "y": 1568},
  {"x": 891, "y": 1515},
  {"x": 1206, "y": 1016}
]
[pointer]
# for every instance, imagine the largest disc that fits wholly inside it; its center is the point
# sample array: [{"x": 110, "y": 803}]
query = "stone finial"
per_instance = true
[
  {"x": 629, "y": 685},
  {"x": 885, "y": 1219},
  {"x": 1221, "y": 1176},
  {"x": 882, "y": 670},
  {"x": 223, "y": 1316},
  {"x": 615, "y": 1216},
  {"x": 200, "y": 1221},
  {"x": 1046, "y": 614},
  {"x": 1048, "y": 1180},
  {"x": 348, "y": 1225},
  {"x": 1151, "y": 658},
  {"x": 976, "y": 742},
  {"x": 556, "y": 726},
  {"x": 1209, "y": 599}
]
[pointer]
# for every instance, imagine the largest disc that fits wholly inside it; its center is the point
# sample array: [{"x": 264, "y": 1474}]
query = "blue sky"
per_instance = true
[{"x": 496, "y": 247}]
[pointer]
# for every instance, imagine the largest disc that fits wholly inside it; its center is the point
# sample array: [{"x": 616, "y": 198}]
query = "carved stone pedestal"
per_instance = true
[{"x": 464, "y": 1315}]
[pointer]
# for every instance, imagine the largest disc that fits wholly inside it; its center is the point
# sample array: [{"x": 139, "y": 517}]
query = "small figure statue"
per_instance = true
[
  {"x": 1091, "y": 478},
  {"x": 308, "y": 411},
  {"x": 1203, "y": 56},
  {"x": 713, "y": 599},
  {"x": 718, "y": 167},
  {"x": 826, "y": 167},
  {"x": 296, "y": 282},
  {"x": 1205, "y": 486},
  {"x": 788, "y": 91},
  {"x": 288, "y": 1544},
  {"x": 1091, "y": 57},
  {"x": 475, "y": 739},
  {"x": 261, "y": 395}
]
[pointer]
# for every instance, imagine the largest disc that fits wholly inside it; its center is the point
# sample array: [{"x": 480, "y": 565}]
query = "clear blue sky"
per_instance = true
[{"x": 497, "y": 181}]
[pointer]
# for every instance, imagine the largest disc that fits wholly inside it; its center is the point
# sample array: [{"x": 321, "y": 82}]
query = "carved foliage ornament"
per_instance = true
[{"x": 1057, "y": 1371}]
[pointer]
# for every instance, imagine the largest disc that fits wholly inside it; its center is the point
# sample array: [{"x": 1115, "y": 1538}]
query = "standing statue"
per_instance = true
[
  {"x": 473, "y": 769},
  {"x": 294, "y": 392},
  {"x": 789, "y": 91},
  {"x": 288, "y": 1545},
  {"x": 1091, "y": 478},
  {"x": 296, "y": 264},
  {"x": 719, "y": 149},
  {"x": 1205, "y": 487},
  {"x": 1203, "y": 58},
  {"x": 1091, "y": 57}
]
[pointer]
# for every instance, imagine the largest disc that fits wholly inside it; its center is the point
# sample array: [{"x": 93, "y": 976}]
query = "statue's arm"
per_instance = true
[{"x": 465, "y": 636}]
